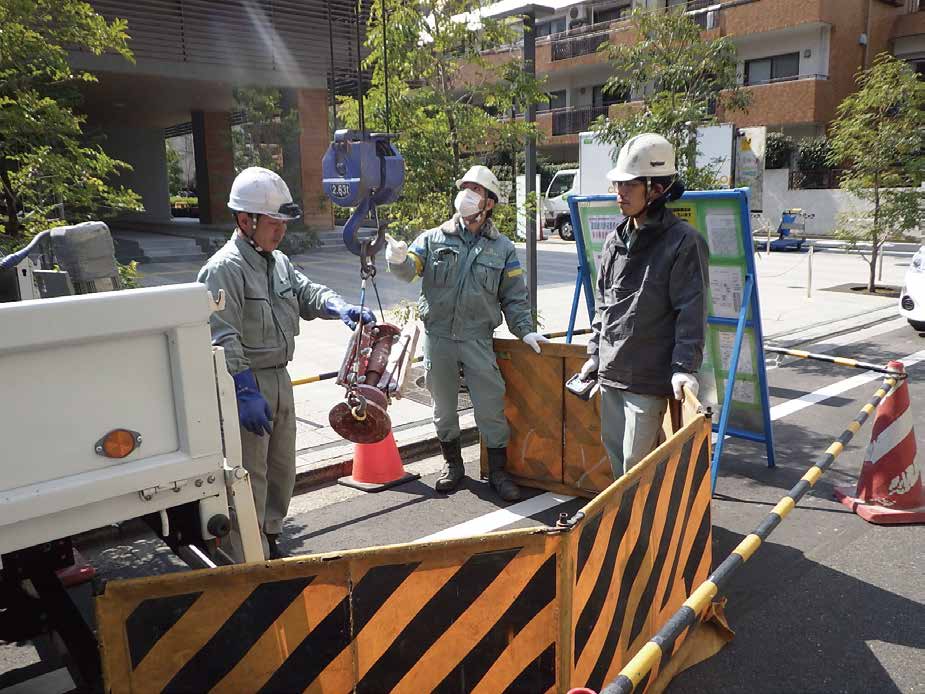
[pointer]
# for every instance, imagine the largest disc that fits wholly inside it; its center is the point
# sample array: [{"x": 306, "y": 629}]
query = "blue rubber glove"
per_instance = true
[
  {"x": 350, "y": 314},
  {"x": 253, "y": 409}
]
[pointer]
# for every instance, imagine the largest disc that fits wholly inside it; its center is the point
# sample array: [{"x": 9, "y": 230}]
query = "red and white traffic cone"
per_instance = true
[{"x": 890, "y": 488}]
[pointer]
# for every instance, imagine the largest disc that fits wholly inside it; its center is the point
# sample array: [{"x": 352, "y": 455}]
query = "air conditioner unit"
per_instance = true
[{"x": 579, "y": 13}]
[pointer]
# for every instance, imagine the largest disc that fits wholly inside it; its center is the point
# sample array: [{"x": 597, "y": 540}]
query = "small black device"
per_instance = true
[{"x": 583, "y": 390}]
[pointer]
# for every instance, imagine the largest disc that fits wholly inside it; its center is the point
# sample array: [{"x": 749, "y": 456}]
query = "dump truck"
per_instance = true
[{"x": 115, "y": 407}]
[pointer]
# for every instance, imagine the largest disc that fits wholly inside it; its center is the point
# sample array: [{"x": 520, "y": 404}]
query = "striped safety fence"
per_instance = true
[
  {"x": 333, "y": 374},
  {"x": 528, "y": 610},
  {"x": 659, "y": 649},
  {"x": 841, "y": 361}
]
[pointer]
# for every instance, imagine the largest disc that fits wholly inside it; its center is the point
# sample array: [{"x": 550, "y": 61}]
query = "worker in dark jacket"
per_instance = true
[{"x": 649, "y": 327}]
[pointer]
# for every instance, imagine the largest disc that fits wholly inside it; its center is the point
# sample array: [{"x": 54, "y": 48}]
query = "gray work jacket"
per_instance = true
[
  {"x": 264, "y": 298},
  {"x": 651, "y": 305},
  {"x": 466, "y": 287}
]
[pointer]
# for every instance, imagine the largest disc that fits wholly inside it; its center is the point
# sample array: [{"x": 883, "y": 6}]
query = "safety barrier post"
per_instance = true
[
  {"x": 662, "y": 644},
  {"x": 841, "y": 361}
]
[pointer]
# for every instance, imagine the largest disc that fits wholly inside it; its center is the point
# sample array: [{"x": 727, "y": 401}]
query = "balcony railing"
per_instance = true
[
  {"x": 569, "y": 121},
  {"x": 790, "y": 78},
  {"x": 574, "y": 46}
]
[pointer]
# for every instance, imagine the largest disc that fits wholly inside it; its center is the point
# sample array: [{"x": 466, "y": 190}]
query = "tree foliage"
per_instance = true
[
  {"x": 778, "y": 149},
  {"x": 879, "y": 140},
  {"x": 175, "y": 182},
  {"x": 449, "y": 104},
  {"x": 267, "y": 128},
  {"x": 681, "y": 80},
  {"x": 50, "y": 170}
]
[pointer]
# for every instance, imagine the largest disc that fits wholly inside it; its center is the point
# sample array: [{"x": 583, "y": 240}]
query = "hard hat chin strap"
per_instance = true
[{"x": 250, "y": 237}]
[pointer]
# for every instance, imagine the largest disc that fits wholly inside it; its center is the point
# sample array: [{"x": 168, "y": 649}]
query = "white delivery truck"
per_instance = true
[
  {"x": 115, "y": 406},
  {"x": 596, "y": 158}
]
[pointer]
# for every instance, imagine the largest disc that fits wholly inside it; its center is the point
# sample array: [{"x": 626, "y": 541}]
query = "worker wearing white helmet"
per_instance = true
[
  {"x": 470, "y": 276},
  {"x": 265, "y": 296},
  {"x": 649, "y": 327}
]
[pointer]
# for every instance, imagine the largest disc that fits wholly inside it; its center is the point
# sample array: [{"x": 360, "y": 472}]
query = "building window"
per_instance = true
[
  {"x": 612, "y": 14},
  {"x": 599, "y": 97},
  {"x": 774, "y": 69},
  {"x": 556, "y": 100},
  {"x": 553, "y": 26}
]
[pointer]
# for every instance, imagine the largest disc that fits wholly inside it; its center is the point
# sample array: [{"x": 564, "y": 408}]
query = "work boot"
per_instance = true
[
  {"x": 453, "y": 469},
  {"x": 498, "y": 478},
  {"x": 275, "y": 551}
]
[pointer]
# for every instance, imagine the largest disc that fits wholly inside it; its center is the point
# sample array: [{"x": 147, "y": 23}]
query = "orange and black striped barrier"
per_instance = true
[
  {"x": 528, "y": 610},
  {"x": 841, "y": 361},
  {"x": 659, "y": 649}
]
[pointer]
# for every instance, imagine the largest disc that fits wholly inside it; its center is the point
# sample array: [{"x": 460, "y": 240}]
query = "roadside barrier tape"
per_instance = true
[
  {"x": 841, "y": 361},
  {"x": 661, "y": 646}
]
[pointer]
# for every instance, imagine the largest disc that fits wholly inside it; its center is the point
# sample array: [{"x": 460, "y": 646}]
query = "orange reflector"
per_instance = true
[{"x": 118, "y": 443}]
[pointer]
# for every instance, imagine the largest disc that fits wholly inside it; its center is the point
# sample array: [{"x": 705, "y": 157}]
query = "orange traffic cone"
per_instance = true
[
  {"x": 377, "y": 466},
  {"x": 889, "y": 489}
]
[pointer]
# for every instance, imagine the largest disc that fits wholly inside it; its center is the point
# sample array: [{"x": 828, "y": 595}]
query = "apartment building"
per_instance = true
[{"x": 798, "y": 58}]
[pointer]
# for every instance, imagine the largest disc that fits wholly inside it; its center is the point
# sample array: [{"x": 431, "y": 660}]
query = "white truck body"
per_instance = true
[
  {"x": 596, "y": 158},
  {"x": 76, "y": 368}
]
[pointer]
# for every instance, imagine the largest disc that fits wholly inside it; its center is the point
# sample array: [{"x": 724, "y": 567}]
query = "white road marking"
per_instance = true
[
  {"x": 785, "y": 409},
  {"x": 500, "y": 518}
]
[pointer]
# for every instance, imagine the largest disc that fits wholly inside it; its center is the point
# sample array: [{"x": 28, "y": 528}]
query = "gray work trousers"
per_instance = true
[
  {"x": 442, "y": 359},
  {"x": 270, "y": 459},
  {"x": 630, "y": 424}
]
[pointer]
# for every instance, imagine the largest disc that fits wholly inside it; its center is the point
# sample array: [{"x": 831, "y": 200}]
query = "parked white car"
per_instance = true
[{"x": 912, "y": 299}]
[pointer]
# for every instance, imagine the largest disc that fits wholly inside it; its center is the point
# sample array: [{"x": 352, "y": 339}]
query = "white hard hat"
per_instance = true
[
  {"x": 484, "y": 177},
  {"x": 644, "y": 156},
  {"x": 260, "y": 191}
]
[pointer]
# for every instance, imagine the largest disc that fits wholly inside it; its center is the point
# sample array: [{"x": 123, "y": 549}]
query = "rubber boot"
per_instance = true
[
  {"x": 498, "y": 478},
  {"x": 275, "y": 551},
  {"x": 453, "y": 469}
]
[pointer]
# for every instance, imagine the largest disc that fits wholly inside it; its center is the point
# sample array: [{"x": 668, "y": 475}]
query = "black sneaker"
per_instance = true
[{"x": 275, "y": 551}]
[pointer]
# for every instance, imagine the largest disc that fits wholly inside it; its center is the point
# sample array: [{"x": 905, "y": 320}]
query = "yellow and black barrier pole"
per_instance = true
[
  {"x": 841, "y": 361},
  {"x": 333, "y": 374},
  {"x": 662, "y": 644}
]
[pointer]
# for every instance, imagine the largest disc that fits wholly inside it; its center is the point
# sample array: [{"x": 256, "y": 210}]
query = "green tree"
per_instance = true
[
  {"x": 879, "y": 140},
  {"x": 681, "y": 78},
  {"x": 47, "y": 162},
  {"x": 175, "y": 181},
  {"x": 267, "y": 128},
  {"x": 449, "y": 104}
]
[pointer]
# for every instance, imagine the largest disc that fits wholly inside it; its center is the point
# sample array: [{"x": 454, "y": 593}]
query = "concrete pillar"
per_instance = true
[
  {"x": 314, "y": 139},
  {"x": 214, "y": 164},
  {"x": 143, "y": 148}
]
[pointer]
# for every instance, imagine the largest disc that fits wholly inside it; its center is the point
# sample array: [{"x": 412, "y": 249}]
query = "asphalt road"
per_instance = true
[{"x": 829, "y": 604}]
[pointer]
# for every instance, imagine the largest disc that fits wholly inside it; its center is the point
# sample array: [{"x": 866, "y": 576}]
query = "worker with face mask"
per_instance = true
[
  {"x": 650, "y": 321},
  {"x": 470, "y": 276},
  {"x": 265, "y": 296}
]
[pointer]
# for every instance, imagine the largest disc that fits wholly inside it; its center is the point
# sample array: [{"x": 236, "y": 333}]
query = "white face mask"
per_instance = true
[{"x": 468, "y": 202}]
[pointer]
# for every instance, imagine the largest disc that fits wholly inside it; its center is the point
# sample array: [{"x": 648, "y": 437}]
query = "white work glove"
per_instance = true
[
  {"x": 679, "y": 380},
  {"x": 395, "y": 251},
  {"x": 534, "y": 340},
  {"x": 589, "y": 368}
]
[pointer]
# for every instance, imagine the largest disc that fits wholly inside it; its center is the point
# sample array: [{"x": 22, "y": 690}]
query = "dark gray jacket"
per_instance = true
[{"x": 651, "y": 298}]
